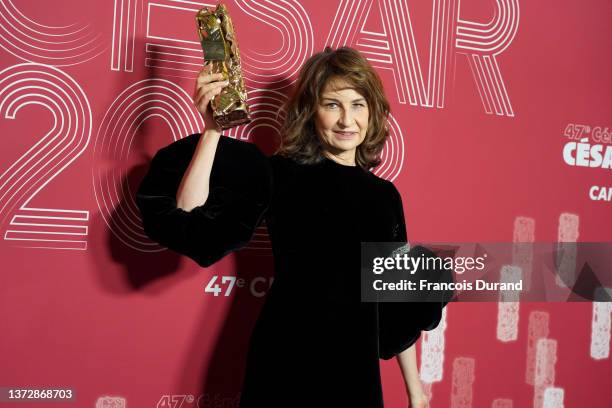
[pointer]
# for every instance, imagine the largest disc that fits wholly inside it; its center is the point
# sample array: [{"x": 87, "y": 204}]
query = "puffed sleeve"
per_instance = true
[
  {"x": 239, "y": 194},
  {"x": 400, "y": 323}
]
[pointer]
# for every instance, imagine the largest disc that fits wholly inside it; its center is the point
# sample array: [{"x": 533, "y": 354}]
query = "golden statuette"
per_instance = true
[{"x": 220, "y": 48}]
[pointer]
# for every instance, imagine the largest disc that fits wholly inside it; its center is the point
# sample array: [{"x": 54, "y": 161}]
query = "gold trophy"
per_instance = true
[{"x": 220, "y": 48}]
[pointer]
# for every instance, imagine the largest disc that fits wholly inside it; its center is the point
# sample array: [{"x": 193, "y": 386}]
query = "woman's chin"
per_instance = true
[{"x": 342, "y": 144}]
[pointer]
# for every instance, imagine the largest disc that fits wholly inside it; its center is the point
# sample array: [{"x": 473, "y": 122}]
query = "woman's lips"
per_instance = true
[{"x": 345, "y": 135}]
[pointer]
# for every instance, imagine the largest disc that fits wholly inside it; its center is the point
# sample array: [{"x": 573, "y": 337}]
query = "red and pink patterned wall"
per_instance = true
[{"x": 501, "y": 131}]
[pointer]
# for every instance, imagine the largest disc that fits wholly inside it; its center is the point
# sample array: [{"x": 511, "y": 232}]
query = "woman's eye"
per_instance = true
[{"x": 332, "y": 104}]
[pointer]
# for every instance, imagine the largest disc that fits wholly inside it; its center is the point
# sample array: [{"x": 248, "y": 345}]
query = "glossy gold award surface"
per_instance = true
[{"x": 220, "y": 48}]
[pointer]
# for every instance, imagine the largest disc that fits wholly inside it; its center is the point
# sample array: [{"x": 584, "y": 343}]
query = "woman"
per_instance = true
[{"x": 314, "y": 344}]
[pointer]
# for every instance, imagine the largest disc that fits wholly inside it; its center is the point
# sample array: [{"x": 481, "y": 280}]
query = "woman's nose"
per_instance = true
[{"x": 345, "y": 118}]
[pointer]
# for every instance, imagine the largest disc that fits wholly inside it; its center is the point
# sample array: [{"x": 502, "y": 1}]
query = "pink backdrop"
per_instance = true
[{"x": 485, "y": 94}]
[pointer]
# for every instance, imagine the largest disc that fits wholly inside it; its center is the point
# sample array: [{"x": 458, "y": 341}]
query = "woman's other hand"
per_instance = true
[
  {"x": 207, "y": 85},
  {"x": 419, "y": 400}
]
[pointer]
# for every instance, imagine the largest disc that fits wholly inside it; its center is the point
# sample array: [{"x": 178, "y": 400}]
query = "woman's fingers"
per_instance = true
[
  {"x": 207, "y": 85},
  {"x": 204, "y": 96},
  {"x": 206, "y": 76},
  {"x": 212, "y": 89},
  {"x": 205, "y": 81}
]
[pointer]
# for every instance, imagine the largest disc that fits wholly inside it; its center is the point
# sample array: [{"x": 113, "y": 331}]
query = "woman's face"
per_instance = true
[{"x": 341, "y": 120}]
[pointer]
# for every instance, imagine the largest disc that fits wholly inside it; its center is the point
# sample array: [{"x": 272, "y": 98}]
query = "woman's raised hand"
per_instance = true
[{"x": 207, "y": 85}]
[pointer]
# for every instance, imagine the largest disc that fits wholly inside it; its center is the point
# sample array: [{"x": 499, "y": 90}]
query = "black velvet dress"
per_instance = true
[{"x": 314, "y": 344}]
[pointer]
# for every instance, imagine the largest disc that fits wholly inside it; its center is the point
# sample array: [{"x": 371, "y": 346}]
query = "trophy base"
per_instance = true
[{"x": 232, "y": 119}]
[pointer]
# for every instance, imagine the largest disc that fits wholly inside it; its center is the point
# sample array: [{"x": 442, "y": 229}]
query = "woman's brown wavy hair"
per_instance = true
[{"x": 299, "y": 140}]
